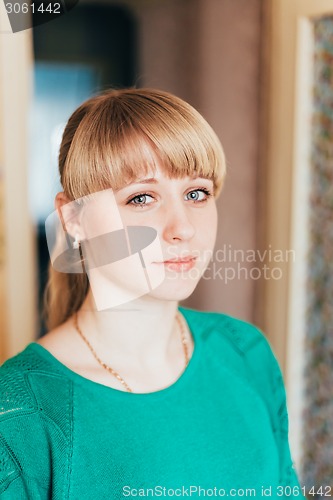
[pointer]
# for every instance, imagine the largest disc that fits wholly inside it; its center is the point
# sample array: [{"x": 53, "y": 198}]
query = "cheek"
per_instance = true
[
  {"x": 100, "y": 214},
  {"x": 207, "y": 228}
]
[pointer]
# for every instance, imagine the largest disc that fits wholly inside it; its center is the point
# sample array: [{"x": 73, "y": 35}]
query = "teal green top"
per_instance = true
[{"x": 223, "y": 424}]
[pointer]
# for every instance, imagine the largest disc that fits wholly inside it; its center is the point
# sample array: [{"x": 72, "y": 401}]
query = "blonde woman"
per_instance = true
[{"x": 129, "y": 394}]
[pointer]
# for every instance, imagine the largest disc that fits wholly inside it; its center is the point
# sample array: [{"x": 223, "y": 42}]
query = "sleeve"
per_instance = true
[
  {"x": 267, "y": 376},
  {"x": 288, "y": 476},
  {"x": 13, "y": 484}
]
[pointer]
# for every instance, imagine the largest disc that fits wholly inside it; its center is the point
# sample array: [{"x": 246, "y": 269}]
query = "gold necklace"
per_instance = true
[{"x": 110, "y": 369}]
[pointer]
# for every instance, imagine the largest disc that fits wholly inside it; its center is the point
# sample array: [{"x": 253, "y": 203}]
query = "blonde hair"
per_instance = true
[{"x": 109, "y": 141}]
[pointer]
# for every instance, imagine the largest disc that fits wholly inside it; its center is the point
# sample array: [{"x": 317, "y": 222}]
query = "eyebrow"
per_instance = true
[
  {"x": 153, "y": 180},
  {"x": 149, "y": 180}
]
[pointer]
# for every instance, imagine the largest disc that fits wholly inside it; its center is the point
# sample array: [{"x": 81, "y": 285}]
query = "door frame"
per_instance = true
[
  {"x": 288, "y": 33},
  {"x": 18, "y": 280}
]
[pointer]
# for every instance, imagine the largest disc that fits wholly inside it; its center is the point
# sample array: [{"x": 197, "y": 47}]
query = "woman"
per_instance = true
[{"x": 130, "y": 394}]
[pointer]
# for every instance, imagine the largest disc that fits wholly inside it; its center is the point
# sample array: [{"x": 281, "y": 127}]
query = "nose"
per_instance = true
[{"x": 178, "y": 223}]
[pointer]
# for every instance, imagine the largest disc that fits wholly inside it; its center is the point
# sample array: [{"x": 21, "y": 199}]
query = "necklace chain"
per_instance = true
[{"x": 110, "y": 369}]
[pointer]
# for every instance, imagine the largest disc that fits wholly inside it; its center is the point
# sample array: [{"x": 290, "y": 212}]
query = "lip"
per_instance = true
[
  {"x": 179, "y": 265},
  {"x": 179, "y": 260}
]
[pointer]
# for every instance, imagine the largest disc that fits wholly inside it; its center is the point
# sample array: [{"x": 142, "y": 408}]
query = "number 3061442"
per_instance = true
[{"x": 24, "y": 8}]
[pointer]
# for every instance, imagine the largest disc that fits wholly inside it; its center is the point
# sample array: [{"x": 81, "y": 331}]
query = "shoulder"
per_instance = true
[
  {"x": 245, "y": 351},
  {"x": 241, "y": 346},
  {"x": 26, "y": 381},
  {"x": 242, "y": 335},
  {"x": 35, "y": 425},
  {"x": 15, "y": 393},
  {"x": 35, "y": 415}
]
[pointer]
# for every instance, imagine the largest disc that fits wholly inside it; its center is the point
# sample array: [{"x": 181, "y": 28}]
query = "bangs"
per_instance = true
[{"x": 127, "y": 135}]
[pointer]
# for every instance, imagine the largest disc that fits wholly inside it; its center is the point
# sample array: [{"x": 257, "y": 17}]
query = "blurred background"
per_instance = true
[{"x": 261, "y": 73}]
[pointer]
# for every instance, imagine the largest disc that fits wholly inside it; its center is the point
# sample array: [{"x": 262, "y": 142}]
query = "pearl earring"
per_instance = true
[{"x": 76, "y": 243}]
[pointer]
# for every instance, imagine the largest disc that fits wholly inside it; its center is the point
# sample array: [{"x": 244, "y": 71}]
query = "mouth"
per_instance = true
[
  {"x": 179, "y": 264},
  {"x": 179, "y": 260}
]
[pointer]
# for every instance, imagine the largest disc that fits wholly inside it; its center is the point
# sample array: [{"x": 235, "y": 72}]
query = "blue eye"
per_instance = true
[
  {"x": 140, "y": 200},
  {"x": 194, "y": 195}
]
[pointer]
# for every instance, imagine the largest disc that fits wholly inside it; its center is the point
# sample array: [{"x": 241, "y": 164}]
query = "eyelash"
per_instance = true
[{"x": 137, "y": 205}]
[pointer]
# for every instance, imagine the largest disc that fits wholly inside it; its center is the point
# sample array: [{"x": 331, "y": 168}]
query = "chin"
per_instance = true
[{"x": 174, "y": 291}]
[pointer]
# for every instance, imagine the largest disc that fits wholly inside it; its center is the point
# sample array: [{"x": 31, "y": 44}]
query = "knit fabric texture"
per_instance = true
[{"x": 221, "y": 426}]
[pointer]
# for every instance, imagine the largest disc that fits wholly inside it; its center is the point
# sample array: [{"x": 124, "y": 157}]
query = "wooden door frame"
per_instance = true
[
  {"x": 286, "y": 90},
  {"x": 285, "y": 22},
  {"x": 18, "y": 263}
]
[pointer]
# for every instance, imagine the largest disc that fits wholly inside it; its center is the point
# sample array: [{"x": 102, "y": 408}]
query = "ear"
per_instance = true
[
  {"x": 69, "y": 214},
  {"x": 60, "y": 200}
]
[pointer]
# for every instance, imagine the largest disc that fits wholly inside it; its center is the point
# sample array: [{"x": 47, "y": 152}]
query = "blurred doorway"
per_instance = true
[{"x": 91, "y": 48}]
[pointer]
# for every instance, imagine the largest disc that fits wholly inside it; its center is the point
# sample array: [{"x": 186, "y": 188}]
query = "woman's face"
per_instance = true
[{"x": 182, "y": 214}]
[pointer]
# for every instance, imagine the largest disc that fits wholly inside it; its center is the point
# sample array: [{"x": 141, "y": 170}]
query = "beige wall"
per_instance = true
[{"x": 169, "y": 47}]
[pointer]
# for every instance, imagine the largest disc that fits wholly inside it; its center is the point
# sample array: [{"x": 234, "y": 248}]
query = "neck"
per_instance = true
[{"x": 141, "y": 333}]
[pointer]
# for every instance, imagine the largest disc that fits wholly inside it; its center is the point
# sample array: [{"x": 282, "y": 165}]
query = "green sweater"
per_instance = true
[{"x": 222, "y": 426}]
